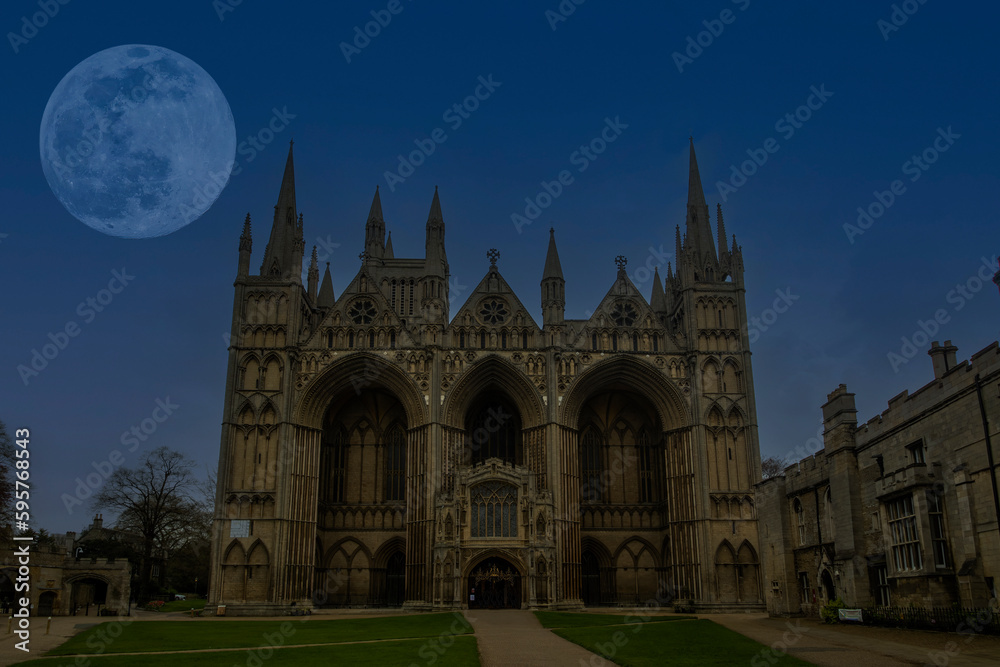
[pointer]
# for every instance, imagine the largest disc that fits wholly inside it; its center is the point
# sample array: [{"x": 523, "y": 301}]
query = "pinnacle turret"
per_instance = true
[
  {"x": 313, "y": 276},
  {"x": 553, "y": 269},
  {"x": 375, "y": 229},
  {"x": 722, "y": 231},
  {"x": 553, "y": 286},
  {"x": 246, "y": 246},
  {"x": 434, "y": 246}
]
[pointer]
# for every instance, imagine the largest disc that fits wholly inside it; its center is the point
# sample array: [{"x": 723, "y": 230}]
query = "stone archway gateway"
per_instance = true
[{"x": 495, "y": 584}]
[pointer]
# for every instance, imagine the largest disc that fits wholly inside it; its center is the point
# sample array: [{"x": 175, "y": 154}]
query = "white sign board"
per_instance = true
[
  {"x": 239, "y": 528},
  {"x": 850, "y": 615}
]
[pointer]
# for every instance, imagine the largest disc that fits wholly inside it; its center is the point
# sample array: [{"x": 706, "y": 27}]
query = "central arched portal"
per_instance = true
[
  {"x": 493, "y": 430},
  {"x": 495, "y": 584}
]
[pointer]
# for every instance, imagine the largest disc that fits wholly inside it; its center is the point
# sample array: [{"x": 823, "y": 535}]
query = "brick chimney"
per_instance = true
[
  {"x": 98, "y": 521},
  {"x": 943, "y": 357}
]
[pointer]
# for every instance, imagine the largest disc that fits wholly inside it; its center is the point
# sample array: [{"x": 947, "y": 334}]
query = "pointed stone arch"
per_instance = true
[
  {"x": 359, "y": 371},
  {"x": 249, "y": 373},
  {"x": 727, "y": 586},
  {"x": 710, "y": 376},
  {"x": 493, "y": 372},
  {"x": 388, "y": 573},
  {"x": 638, "y": 376},
  {"x": 268, "y": 415},
  {"x": 636, "y": 563},
  {"x": 731, "y": 377},
  {"x": 597, "y": 572},
  {"x": 735, "y": 418},
  {"x": 748, "y": 573},
  {"x": 347, "y": 572},
  {"x": 271, "y": 373},
  {"x": 245, "y": 414},
  {"x": 234, "y": 563},
  {"x": 258, "y": 572}
]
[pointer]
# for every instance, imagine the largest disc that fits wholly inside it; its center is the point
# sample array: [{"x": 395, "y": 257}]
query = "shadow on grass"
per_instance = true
[
  {"x": 461, "y": 653},
  {"x": 129, "y": 636},
  {"x": 698, "y": 643}
]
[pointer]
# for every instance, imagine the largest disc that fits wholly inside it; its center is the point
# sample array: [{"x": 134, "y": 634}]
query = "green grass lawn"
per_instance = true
[
  {"x": 143, "y": 636},
  {"x": 569, "y": 619},
  {"x": 461, "y": 653},
  {"x": 183, "y": 605},
  {"x": 699, "y": 642}
]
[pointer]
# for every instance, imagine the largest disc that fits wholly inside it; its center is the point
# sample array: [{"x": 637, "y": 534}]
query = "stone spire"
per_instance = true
[
  {"x": 553, "y": 286},
  {"x": 434, "y": 245},
  {"x": 434, "y": 305},
  {"x": 657, "y": 299},
  {"x": 723, "y": 250},
  {"x": 325, "y": 298},
  {"x": 375, "y": 229},
  {"x": 699, "y": 228},
  {"x": 313, "y": 277},
  {"x": 553, "y": 269},
  {"x": 246, "y": 246},
  {"x": 279, "y": 256},
  {"x": 388, "y": 248}
]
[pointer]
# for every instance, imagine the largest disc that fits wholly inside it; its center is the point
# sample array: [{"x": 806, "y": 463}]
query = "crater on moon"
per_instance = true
[{"x": 137, "y": 141}]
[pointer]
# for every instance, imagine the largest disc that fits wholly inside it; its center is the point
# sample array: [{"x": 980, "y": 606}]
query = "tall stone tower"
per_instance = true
[{"x": 378, "y": 450}]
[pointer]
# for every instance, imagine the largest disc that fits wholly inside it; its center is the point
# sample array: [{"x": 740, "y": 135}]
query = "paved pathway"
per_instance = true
[
  {"x": 837, "y": 645},
  {"x": 514, "y": 637}
]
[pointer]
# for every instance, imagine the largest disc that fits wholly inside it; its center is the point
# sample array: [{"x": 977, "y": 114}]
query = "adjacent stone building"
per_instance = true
[
  {"x": 61, "y": 584},
  {"x": 899, "y": 511},
  {"x": 378, "y": 449}
]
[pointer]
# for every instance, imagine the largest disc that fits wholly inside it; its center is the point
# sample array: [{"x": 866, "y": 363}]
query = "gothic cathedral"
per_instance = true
[{"x": 379, "y": 451}]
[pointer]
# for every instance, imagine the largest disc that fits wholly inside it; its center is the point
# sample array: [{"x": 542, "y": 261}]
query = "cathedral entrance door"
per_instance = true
[{"x": 495, "y": 584}]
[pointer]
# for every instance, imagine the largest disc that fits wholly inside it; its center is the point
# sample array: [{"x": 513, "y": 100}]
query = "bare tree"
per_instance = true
[
  {"x": 772, "y": 466},
  {"x": 6, "y": 483},
  {"x": 157, "y": 501}
]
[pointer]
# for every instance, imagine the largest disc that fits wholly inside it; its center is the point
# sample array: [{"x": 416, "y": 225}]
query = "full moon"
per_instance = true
[{"x": 137, "y": 141}]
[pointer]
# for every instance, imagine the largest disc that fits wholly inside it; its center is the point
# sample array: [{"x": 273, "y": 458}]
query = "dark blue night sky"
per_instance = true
[{"x": 833, "y": 105}]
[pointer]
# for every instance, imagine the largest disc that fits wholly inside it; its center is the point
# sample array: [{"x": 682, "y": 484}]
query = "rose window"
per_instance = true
[
  {"x": 493, "y": 311},
  {"x": 362, "y": 312},
  {"x": 623, "y": 314}
]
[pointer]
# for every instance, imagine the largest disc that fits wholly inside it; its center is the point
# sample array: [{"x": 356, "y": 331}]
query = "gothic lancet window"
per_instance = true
[
  {"x": 647, "y": 493},
  {"x": 591, "y": 465},
  {"x": 494, "y": 510},
  {"x": 395, "y": 463},
  {"x": 334, "y": 465}
]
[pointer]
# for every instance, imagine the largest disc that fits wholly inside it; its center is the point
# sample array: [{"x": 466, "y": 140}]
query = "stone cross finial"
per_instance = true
[
  {"x": 621, "y": 261},
  {"x": 493, "y": 256}
]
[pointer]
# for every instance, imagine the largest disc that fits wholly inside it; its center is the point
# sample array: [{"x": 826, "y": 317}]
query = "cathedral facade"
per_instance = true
[{"x": 379, "y": 450}]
